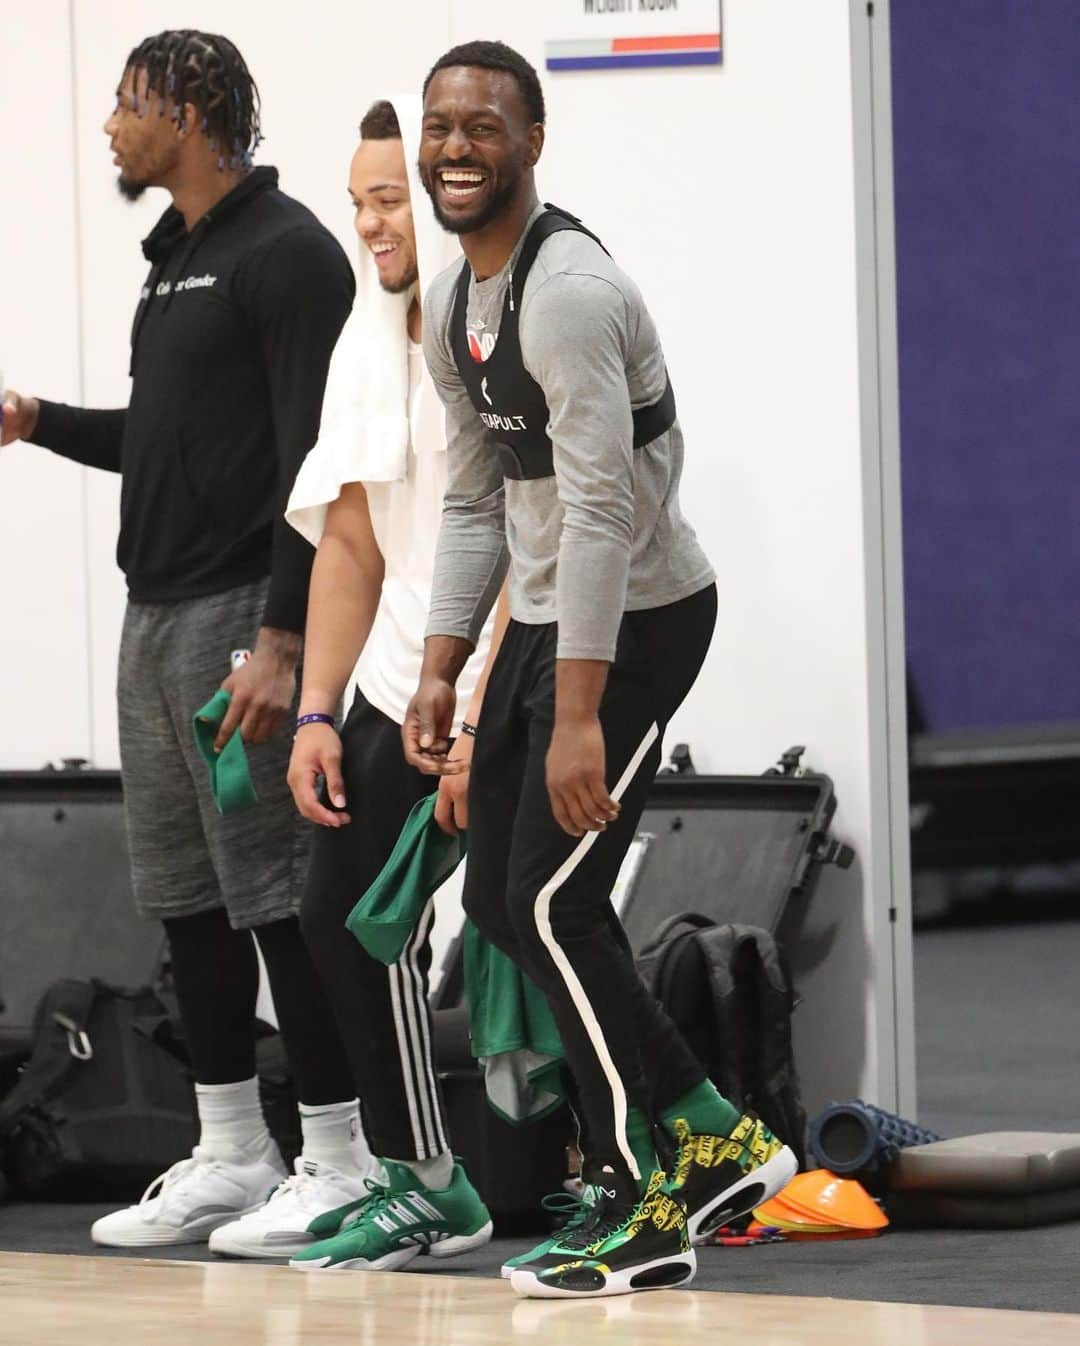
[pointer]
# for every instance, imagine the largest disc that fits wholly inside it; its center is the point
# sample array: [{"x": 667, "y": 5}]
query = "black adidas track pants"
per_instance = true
[
  {"x": 382, "y": 1012},
  {"x": 543, "y": 896}
]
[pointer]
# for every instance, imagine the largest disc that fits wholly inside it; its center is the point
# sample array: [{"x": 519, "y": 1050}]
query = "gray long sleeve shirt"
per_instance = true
[{"x": 605, "y": 534}]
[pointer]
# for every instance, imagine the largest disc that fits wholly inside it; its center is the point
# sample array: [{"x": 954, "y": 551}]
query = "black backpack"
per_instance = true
[
  {"x": 101, "y": 1108},
  {"x": 728, "y": 990}
]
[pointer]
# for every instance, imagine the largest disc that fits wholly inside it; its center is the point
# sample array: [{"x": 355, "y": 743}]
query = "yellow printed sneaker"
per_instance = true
[
  {"x": 719, "y": 1178},
  {"x": 568, "y": 1211},
  {"x": 627, "y": 1243}
]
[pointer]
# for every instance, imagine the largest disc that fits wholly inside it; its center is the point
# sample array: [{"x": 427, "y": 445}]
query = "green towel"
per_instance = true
[
  {"x": 230, "y": 779},
  {"x": 513, "y": 1033},
  {"x": 423, "y": 858}
]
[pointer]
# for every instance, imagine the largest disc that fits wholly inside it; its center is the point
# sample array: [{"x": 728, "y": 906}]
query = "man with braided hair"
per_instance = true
[{"x": 231, "y": 342}]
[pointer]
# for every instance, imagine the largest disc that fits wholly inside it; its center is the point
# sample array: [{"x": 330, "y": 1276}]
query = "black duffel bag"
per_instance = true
[
  {"x": 728, "y": 990},
  {"x": 101, "y": 1108}
]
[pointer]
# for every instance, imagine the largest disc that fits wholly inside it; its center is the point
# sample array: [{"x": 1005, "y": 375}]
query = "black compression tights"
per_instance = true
[{"x": 216, "y": 974}]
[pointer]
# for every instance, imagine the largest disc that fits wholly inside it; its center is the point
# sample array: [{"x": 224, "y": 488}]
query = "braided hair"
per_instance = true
[{"x": 186, "y": 66}]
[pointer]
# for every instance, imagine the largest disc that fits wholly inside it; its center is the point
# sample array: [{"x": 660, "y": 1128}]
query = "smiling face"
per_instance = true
[
  {"x": 478, "y": 146},
  {"x": 144, "y": 136},
  {"x": 380, "y": 192}
]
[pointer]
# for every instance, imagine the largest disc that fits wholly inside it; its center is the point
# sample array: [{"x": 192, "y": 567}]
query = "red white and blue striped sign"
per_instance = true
[{"x": 607, "y": 34}]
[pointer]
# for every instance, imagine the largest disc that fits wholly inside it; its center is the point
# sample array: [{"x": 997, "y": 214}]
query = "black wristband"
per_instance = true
[{"x": 468, "y": 729}]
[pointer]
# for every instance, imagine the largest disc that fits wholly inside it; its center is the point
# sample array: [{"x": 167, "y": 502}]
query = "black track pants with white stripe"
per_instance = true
[
  {"x": 543, "y": 896},
  {"x": 382, "y": 1012}
]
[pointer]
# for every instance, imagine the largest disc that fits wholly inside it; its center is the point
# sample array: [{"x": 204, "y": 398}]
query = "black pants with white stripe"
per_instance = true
[
  {"x": 382, "y": 1012},
  {"x": 543, "y": 896}
]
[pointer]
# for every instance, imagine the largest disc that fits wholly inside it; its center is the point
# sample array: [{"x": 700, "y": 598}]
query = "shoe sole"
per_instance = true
[
  {"x": 199, "y": 1232},
  {"x": 757, "y": 1187},
  {"x": 674, "y": 1271},
  {"x": 461, "y": 1243},
  {"x": 508, "y": 1268},
  {"x": 234, "y": 1247},
  {"x": 400, "y": 1257}
]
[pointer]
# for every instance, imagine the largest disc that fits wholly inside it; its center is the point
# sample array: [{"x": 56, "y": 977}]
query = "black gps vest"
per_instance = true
[{"x": 507, "y": 398}]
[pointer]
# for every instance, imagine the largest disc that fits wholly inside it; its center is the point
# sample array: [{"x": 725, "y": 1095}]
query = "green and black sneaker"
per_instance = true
[
  {"x": 719, "y": 1178},
  {"x": 568, "y": 1212},
  {"x": 626, "y": 1242},
  {"x": 399, "y": 1221}
]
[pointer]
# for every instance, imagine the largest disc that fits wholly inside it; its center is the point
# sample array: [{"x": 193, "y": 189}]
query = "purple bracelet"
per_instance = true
[{"x": 317, "y": 718}]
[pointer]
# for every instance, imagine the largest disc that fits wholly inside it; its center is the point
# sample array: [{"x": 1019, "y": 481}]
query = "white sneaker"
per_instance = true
[
  {"x": 311, "y": 1205},
  {"x": 189, "y": 1201}
]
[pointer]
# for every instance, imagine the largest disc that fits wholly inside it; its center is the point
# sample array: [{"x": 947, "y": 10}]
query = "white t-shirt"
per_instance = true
[{"x": 405, "y": 517}]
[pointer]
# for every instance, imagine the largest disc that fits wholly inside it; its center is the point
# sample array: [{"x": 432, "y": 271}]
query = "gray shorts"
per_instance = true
[{"x": 185, "y": 857}]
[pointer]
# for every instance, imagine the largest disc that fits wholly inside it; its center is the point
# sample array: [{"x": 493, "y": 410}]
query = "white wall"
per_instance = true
[
  {"x": 44, "y": 687},
  {"x": 731, "y": 195}
]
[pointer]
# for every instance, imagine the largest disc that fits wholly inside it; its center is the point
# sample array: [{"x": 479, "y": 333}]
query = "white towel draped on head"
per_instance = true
[{"x": 364, "y": 434}]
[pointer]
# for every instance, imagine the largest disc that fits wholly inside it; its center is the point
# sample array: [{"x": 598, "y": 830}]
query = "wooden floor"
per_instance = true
[{"x": 51, "y": 1300}]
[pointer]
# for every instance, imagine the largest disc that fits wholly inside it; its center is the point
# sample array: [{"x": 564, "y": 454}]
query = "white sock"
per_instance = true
[
  {"x": 435, "y": 1172},
  {"x": 333, "y": 1135},
  {"x": 232, "y": 1126}
]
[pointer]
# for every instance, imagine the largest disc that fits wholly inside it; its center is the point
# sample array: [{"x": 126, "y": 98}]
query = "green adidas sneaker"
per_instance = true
[
  {"x": 719, "y": 1178},
  {"x": 399, "y": 1221},
  {"x": 625, "y": 1243},
  {"x": 568, "y": 1212}
]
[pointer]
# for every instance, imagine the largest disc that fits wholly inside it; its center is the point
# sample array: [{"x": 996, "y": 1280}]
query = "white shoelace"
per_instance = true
[
  {"x": 300, "y": 1186},
  {"x": 303, "y": 1187},
  {"x": 165, "y": 1184}
]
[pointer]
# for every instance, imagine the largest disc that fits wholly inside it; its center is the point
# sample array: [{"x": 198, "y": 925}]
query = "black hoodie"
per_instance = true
[{"x": 229, "y": 352}]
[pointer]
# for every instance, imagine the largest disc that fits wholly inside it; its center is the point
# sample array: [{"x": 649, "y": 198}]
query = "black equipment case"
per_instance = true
[
  {"x": 733, "y": 848},
  {"x": 66, "y": 908}
]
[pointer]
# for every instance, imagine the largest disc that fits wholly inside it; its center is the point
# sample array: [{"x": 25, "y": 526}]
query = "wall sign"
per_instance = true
[{"x": 601, "y": 34}]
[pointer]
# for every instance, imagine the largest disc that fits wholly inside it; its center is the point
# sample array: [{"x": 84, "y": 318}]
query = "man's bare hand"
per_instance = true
[
  {"x": 262, "y": 689},
  {"x": 425, "y": 734},
  {"x": 575, "y": 778},
  {"x": 452, "y": 805},
  {"x": 317, "y": 752},
  {"x": 20, "y": 417}
]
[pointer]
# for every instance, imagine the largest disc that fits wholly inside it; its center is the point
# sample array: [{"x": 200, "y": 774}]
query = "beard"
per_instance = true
[
  {"x": 406, "y": 282},
  {"x": 469, "y": 224},
  {"x": 129, "y": 190},
  {"x": 154, "y": 164}
]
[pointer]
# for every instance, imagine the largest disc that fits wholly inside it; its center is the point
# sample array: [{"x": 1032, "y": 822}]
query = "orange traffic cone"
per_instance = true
[
  {"x": 791, "y": 1220},
  {"x": 821, "y": 1203}
]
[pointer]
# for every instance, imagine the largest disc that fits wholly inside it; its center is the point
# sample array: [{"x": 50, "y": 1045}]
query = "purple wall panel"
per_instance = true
[{"x": 986, "y": 107}]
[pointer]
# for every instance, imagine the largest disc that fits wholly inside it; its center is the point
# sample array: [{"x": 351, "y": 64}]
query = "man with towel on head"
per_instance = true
[{"x": 369, "y": 496}]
